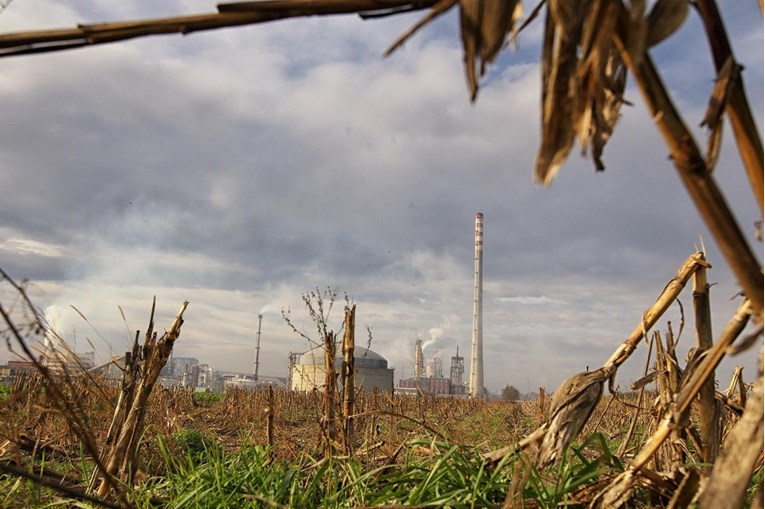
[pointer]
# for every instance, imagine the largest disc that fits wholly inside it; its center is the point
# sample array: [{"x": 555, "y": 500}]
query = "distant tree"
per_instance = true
[{"x": 510, "y": 393}]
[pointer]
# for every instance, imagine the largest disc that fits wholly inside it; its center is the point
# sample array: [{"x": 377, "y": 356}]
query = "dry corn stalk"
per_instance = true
[
  {"x": 736, "y": 105},
  {"x": 122, "y": 456},
  {"x": 71, "y": 408},
  {"x": 694, "y": 172},
  {"x": 128, "y": 384},
  {"x": 330, "y": 388},
  {"x": 732, "y": 472},
  {"x": 620, "y": 490},
  {"x": 348, "y": 375},
  {"x": 708, "y": 406}
]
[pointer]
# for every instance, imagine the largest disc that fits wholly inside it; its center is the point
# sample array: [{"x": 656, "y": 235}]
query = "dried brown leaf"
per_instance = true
[
  {"x": 570, "y": 408},
  {"x": 470, "y": 22},
  {"x": 718, "y": 101},
  {"x": 484, "y": 25},
  {"x": 636, "y": 29},
  {"x": 438, "y": 9},
  {"x": 665, "y": 18},
  {"x": 559, "y": 60},
  {"x": 583, "y": 80},
  {"x": 568, "y": 16},
  {"x": 642, "y": 382},
  {"x": 499, "y": 18},
  {"x": 601, "y": 77}
]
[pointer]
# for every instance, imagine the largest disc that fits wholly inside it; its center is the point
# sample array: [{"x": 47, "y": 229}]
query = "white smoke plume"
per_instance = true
[{"x": 435, "y": 334}]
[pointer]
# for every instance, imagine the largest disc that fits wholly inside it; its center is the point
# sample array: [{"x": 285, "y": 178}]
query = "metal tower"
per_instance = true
[{"x": 457, "y": 369}]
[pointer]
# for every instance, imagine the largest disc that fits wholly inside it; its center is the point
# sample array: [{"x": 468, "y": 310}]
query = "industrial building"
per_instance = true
[
  {"x": 249, "y": 384},
  {"x": 429, "y": 379},
  {"x": 371, "y": 370}
]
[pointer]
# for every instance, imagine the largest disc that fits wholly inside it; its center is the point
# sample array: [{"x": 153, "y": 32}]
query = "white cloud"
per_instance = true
[
  {"x": 21, "y": 246},
  {"x": 528, "y": 300}
]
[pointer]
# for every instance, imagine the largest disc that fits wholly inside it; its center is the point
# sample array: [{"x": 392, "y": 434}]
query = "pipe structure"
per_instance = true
[{"x": 257, "y": 347}]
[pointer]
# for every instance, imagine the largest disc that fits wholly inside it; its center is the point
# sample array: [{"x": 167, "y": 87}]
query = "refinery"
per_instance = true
[{"x": 305, "y": 370}]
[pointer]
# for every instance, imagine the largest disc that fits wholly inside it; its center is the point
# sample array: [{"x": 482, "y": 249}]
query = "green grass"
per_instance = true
[
  {"x": 199, "y": 473},
  {"x": 207, "y": 398},
  {"x": 433, "y": 474}
]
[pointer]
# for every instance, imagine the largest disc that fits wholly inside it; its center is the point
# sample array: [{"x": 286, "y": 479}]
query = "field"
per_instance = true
[{"x": 269, "y": 449}]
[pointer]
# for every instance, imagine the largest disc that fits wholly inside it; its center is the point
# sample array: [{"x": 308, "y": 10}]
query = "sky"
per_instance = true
[{"x": 240, "y": 168}]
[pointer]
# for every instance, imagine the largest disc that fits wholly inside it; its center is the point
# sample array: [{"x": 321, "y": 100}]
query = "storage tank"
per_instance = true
[{"x": 371, "y": 368}]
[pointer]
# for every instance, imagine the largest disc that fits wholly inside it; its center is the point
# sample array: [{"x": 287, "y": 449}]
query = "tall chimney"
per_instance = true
[
  {"x": 257, "y": 347},
  {"x": 475, "y": 387}
]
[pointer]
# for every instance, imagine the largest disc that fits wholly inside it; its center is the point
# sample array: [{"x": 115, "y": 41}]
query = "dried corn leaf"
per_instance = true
[
  {"x": 499, "y": 18},
  {"x": 601, "y": 78},
  {"x": 570, "y": 408},
  {"x": 471, "y": 12},
  {"x": 438, "y": 9},
  {"x": 636, "y": 30},
  {"x": 608, "y": 107},
  {"x": 559, "y": 60},
  {"x": 665, "y": 18},
  {"x": 583, "y": 80},
  {"x": 484, "y": 25},
  {"x": 617, "y": 493},
  {"x": 642, "y": 382},
  {"x": 718, "y": 101},
  {"x": 664, "y": 485}
]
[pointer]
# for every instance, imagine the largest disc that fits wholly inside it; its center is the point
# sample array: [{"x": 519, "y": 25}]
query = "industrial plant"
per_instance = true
[
  {"x": 428, "y": 376},
  {"x": 306, "y": 371}
]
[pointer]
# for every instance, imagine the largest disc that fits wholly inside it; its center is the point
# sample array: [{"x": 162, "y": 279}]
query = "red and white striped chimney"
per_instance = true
[{"x": 475, "y": 386}]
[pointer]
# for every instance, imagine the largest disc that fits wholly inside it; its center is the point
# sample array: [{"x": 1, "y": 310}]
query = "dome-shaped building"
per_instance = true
[{"x": 307, "y": 371}]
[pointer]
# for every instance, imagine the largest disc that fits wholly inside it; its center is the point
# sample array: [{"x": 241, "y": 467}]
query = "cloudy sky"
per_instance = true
[{"x": 240, "y": 168}]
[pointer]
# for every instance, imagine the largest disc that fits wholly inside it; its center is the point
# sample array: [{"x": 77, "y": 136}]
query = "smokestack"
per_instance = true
[
  {"x": 475, "y": 387},
  {"x": 257, "y": 347}
]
